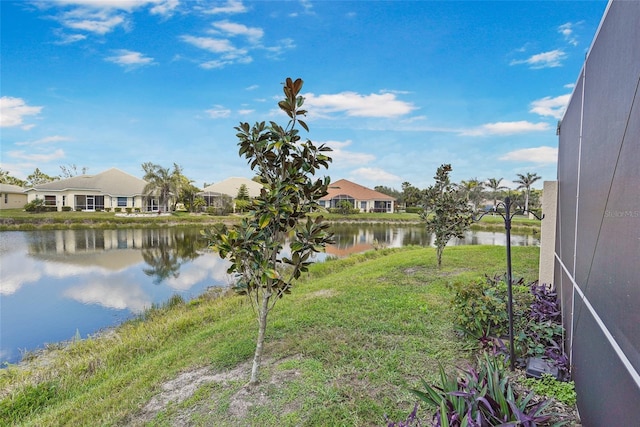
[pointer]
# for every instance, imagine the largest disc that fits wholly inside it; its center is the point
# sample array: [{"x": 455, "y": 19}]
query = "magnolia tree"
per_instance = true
[
  {"x": 285, "y": 165},
  {"x": 446, "y": 211}
]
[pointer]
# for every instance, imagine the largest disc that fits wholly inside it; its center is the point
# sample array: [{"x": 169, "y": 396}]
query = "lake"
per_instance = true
[{"x": 55, "y": 284}]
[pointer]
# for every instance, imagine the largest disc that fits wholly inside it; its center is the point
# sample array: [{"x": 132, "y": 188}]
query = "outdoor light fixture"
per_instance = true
[{"x": 507, "y": 216}]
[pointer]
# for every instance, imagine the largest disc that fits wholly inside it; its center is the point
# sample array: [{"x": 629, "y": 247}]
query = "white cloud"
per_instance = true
[
  {"x": 129, "y": 59},
  {"x": 549, "y": 59},
  {"x": 165, "y": 7},
  {"x": 218, "y": 112},
  {"x": 357, "y": 105},
  {"x": 344, "y": 158},
  {"x": 94, "y": 21},
  {"x": 33, "y": 157},
  {"x": 274, "y": 52},
  {"x": 539, "y": 155},
  {"x": 210, "y": 44},
  {"x": 548, "y": 106},
  {"x": 245, "y": 112},
  {"x": 567, "y": 32},
  {"x": 231, "y": 6},
  {"x": 506, "y": 128},
  {"x": 233, "y": 29},
  {"x": 69, "y": 38},
  {"x": 252, "y": 87},
  {"x": 45, "y": 140},
  {"x": 12, "y": 111},
  {"x": 376, "y": 175}
]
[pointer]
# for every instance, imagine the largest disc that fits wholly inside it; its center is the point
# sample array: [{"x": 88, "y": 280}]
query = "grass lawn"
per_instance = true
[{"x": 343, "y": 349}]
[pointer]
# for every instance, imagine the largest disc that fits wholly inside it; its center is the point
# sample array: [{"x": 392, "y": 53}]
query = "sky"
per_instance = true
[{"x": 395, "y": 88}]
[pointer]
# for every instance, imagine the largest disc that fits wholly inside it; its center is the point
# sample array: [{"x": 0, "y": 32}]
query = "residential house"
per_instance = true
[
  {"x": 12, "y": 197},
  {"x": 597, "y": 250},
  {"x": 362, "y": 198},
  {"x": 112, "y": 189},
  {"x": 229, "y": 187}
]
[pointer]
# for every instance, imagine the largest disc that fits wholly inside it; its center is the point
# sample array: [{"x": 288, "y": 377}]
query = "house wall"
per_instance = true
[
  {"x": 12, "y": 200},
  {"x": 67, "y": 198},
  {"x": 597, "y": 253}
]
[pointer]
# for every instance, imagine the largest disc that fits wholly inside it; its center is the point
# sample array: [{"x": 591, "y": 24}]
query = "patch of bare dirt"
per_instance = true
[{"x": 241, "y": 402}]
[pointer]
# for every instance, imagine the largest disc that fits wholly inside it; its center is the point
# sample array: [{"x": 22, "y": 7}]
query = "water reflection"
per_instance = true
[{"x": 56, "y": 282}]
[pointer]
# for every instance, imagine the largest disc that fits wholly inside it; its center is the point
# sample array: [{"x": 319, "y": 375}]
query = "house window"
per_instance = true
[
  {"x": 6, "y": 197},
  {"x": 122, "y": 202},
  {"x": 64, "y": 200},
  {"x": 49, "y": 200},
  {"x": 363, "y": 206},
  {"x": 321, "y": 203}
]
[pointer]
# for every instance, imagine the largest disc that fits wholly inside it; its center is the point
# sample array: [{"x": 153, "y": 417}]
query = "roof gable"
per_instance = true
[
  {"x": 10, "y": 188},
  {"x": 357, "y": 191}
]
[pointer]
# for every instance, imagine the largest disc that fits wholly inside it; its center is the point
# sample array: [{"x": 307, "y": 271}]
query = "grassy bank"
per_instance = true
[
  {"x": 17, "y": 219},
  {"x": 343, "y": 349}
]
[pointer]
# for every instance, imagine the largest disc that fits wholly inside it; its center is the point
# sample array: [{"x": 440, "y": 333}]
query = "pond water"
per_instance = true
[{"x": 55, "y": 284}]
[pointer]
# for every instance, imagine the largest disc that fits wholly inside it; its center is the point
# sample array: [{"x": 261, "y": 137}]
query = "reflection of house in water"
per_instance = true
[{"x": 110, "y": 249}]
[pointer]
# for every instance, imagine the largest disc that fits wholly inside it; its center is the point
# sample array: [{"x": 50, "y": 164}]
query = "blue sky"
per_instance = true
[{"x": 395, "y": 88}]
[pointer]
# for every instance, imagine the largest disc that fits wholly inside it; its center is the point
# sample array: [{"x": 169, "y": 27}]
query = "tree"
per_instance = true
[
  {"x": 71, "y": 170},
  {"x": 473, "y": 191},
  {"x": 39, "y": 177},
  {"x": 526, "y": 181},
  {"x": 286, "y": 167},
  {"x": 242, "y": 198},
  {"x": 410, "y": 194},
  {"x": 493, "y": 184},
  {"x": 6, "y": 178},
  {"x": 445, "y": 211},
  {"x": 161, "y": 183}
]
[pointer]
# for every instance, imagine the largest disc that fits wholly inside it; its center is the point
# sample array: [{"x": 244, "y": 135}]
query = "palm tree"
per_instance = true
[
  {"x": 472, "y": 190},
  {"x": 161, "y": 183},
  {"x": 526, "y": 181},
  {"x": 494, "y": 185}
]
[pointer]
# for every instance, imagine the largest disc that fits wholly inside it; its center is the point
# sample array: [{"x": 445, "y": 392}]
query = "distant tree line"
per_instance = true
[{"x": 479, "y": 194}]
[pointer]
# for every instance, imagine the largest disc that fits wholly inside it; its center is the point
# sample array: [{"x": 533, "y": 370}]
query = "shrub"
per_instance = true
[
  {"x": 66, "y": 209},
  {"x": 117, "y": 209},
  {"x": 107, "y": 209},
  {"x": 36, "y": 205},
  {"x": 128, "y": 210},
  {"x": 482, "y": 397},
  {"x": 413, "y": 209}
]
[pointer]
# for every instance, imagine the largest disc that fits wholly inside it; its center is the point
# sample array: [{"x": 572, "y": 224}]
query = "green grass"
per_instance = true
[{"x": 344, "y": 349}]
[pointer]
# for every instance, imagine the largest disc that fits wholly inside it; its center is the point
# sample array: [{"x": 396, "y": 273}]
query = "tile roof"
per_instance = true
[
  {"x": 357, "y": 191},
  {"x": 112, "y": 182}
]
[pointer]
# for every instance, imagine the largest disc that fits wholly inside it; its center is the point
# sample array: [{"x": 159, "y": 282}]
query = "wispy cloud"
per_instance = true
[
  {"x": 549, "y": 59},
  {"x": 538, "y": 155},
  {"x": 129, "y": 59},
  {"x": 230, "y": 7},
  {"x": 376, "y": 175},
  {"x": 357, "y": 105},
  {"x": 229, "y": 53},
  {"x": 253, "y": 34},
  {"x": 343, "y": 158},
  {"x": 34, "y": 157},
  {"x": 567, "y": 31},
  {"x": 13, "y": 110},
  {"x": 64, "y": 38},
  {"x": 548, "y": 106},
  {"x": 44, "y": 141},
  {"x": 506, "y": 128},
  {"x": 218, "y": 112},
  {"x": 103, "y": 16}
]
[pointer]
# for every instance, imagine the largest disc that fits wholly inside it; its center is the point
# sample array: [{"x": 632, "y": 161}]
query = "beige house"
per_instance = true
[
  {"x": 111, "y": 189},
  {"x": 229, "y": 187},
  {"x": 360, "y": 197},
  {"x": 12, "y": 197}
]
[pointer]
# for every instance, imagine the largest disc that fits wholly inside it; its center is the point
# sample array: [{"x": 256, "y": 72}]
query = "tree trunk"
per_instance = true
[
  {"x": 439, "y": 251},
  {"x": 262, "y": 328}
]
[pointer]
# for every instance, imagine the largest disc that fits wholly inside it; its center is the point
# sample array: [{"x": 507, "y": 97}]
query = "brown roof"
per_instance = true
[{"x": 357, "y": 191}]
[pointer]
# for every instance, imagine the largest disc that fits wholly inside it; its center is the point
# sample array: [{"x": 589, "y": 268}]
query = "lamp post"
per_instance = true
[{"x": 507, "y": 217}]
